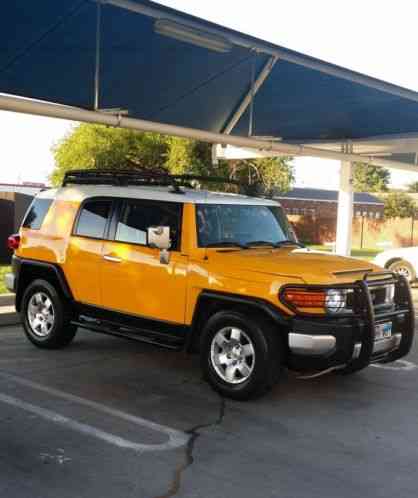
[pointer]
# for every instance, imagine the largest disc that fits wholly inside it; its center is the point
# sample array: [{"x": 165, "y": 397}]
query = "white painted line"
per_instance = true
[
  {"x": 176, "y": 438},
  {"x": 74, "y": 425},
  {"x": 401, "y": 365}
]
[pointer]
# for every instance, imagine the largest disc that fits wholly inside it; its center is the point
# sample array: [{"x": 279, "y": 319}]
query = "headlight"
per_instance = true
[
  {"x": 335, "y": 300},
  {"x": 318, "y": 301}
]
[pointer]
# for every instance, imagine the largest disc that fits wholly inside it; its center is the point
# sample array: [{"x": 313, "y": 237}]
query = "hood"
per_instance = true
[{"x": 313, "y": 267}]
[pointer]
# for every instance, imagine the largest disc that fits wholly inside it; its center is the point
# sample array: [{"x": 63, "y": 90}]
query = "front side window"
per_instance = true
[
  {"x": 137, "y": 216},
  {"x": 36, "y": 213},
  {"x": 226, "y": 223},
  {"x": 93, "y": 219}
]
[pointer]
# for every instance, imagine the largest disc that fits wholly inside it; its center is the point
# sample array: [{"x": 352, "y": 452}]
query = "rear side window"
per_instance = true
[
  {"x": 36, "y": 213},
  {"x": 93, "y": 219},
  {"x": 137, "y": 216}
]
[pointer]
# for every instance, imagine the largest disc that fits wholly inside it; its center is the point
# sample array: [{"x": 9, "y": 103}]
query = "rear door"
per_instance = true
[
  {"x": 84, "y": 254},
  {"x": 133, "y": 280}
]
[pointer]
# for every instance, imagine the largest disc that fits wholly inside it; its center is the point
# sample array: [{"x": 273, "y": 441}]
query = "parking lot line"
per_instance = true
[{"x": 176, "y": 438}]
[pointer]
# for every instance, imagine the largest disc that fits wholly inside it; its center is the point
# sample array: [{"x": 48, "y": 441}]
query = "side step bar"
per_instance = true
[{"x": 134, "y": 334}]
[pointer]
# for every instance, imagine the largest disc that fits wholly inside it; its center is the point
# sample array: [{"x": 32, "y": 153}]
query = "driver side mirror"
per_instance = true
[{"x": 159, "y": 238}]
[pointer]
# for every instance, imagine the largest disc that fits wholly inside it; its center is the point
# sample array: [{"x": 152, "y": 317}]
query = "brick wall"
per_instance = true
[
  {"x": 327, "y": 209},
  {"x": 376, "y": 233}
]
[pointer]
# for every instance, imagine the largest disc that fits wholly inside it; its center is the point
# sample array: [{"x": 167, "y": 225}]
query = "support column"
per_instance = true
[{"x": 345, "y": 210}]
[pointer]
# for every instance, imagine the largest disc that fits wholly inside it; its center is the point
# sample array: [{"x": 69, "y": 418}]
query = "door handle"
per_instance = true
[{"x": 112, "y": 259}]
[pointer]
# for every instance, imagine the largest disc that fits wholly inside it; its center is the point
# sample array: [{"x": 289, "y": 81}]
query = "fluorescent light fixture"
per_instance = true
[{"x": 191, "y": 35}]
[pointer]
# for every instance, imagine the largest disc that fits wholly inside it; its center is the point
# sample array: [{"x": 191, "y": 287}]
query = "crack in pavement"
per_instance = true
[{"x": 188, "y": 454}]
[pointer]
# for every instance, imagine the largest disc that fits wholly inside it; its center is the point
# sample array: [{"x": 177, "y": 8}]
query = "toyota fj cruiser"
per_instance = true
[{"x": 150, "y": 259}]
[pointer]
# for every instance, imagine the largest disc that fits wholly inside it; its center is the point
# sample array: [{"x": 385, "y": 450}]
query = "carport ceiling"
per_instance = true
[{"x": 162, "y": 65}]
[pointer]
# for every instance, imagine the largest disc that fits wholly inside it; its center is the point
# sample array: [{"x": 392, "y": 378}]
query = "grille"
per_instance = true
[{"x": 382, "y": 296}]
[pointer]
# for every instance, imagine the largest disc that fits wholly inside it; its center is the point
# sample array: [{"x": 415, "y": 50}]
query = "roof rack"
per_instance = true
[{"x": 125, "y": 177}]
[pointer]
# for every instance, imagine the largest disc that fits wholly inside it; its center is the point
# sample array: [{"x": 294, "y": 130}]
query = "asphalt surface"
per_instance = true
[{"x": 112, "y": 418}]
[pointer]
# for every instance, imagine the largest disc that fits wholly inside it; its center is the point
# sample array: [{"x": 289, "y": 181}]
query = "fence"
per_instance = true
[{"x": 370, "y": 233}]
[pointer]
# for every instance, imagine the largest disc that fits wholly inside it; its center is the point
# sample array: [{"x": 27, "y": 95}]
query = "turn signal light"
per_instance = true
[
  {"x": 300, "y": 298},
  {"x": 13, "y": 242}
]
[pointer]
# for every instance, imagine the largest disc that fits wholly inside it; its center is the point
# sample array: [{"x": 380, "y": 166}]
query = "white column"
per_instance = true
[{"x": 345, "y": 210}]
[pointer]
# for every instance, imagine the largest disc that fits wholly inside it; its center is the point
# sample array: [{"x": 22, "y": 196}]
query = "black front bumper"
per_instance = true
[{"x": 320, "y": 343}]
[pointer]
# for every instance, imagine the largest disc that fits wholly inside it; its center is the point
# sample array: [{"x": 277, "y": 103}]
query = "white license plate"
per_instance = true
[{"x": 383, "y": 331}]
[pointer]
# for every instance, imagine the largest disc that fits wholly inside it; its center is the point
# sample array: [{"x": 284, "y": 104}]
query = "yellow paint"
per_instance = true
[{"x": 140, "y": 285}]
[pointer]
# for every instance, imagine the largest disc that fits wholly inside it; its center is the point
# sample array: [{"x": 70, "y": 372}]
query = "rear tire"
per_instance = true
[
  {"x": 45, "y": 317},
  {"x": 404, "y": 268},
  {"x": 241, "y": 357}
]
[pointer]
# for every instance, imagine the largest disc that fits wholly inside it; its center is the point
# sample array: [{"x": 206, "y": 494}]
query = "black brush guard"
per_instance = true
[{"x": 403, "y": 310}]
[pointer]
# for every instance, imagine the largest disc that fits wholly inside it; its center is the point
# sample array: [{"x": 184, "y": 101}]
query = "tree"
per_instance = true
[
  {"x": 399, "y": 205},
  {"x": 368, "y": 178},
  {"x": 413, "y": 187},
  {"x": 97, "y": 146}
]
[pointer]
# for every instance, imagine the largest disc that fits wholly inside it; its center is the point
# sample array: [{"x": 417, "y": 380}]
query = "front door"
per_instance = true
[{"x": 133, "y": 280}]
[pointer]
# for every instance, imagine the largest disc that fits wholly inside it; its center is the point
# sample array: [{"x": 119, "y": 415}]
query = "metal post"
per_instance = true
[
  {"x": 362, "y": 231},
  {"x": 98, "y": 49},
  {"x": 251, "y": 120},
  {"x": 345, "y": 210}
]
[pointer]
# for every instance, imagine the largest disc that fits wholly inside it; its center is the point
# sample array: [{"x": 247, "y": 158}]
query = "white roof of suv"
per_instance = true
[{"x": 82, "y": 192}]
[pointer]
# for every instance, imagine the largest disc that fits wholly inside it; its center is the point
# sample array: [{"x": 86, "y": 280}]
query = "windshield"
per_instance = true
[{"x": 237, "y": 224}]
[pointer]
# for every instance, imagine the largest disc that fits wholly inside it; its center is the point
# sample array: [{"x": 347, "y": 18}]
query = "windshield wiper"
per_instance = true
[
  {"x": 288, "y": 242},
  {"x": 227, "y": 243},
  {"x": 254, "y": 243}
]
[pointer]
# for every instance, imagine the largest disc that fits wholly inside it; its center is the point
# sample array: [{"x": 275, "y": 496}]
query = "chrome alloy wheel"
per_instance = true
[
  {"x": 232, "y": 355},
  {"x": 41, "y": 315}
]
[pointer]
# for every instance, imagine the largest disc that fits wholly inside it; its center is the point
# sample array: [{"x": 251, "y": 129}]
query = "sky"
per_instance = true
[{"x": 375, "y": 37}]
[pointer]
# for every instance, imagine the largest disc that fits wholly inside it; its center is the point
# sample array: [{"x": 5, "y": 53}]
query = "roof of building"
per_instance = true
[
  {"x": 18, "y": 188},
  {"x": 322, "y": 195},
  {"x": 81, "y": 192}
]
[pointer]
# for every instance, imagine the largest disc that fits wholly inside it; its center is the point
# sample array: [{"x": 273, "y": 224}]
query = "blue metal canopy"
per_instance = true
[{"x": 166, "y": 66}]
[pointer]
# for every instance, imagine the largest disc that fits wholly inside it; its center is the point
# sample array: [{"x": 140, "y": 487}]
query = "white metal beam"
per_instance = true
[
  {"x": 26, "y": 106},
  {"x": 345, "y": 210},
  {"x": 246, "y": 101}
]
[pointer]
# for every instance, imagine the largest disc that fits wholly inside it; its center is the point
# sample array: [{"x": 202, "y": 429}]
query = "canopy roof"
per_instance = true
[{"x": 162, "y": 65}]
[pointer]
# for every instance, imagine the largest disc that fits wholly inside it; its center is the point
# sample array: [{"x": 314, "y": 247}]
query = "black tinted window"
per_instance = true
[
  {"x": 228, "y": 223},
  {"x": 137, "y": 216},
  {"x": 36, "y": 214},
  {"x": 93, "y": 219}
]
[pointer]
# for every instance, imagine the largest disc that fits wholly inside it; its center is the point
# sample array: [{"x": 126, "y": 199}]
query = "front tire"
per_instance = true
[
  {"x": 45, "y": 317},
  {"x": 405, "y": 269},
  {"x": 240, "y": 357}
]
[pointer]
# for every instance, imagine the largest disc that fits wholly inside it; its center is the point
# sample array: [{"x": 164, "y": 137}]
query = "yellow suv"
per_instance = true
[{"x": 150, "y": 259}]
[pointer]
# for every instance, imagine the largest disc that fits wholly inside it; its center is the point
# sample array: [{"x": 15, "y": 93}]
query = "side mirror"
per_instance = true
[{"x": 159, "y": 237}]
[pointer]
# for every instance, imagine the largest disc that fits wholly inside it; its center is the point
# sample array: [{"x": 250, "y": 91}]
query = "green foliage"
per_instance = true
[
  {"x": 370, "y": 178},
  {"x": 3, "y": 271},
  {"x": 413, "y": 187},
  {"x": 399, "y": 205},
  {"x": 97, "y": 146}
]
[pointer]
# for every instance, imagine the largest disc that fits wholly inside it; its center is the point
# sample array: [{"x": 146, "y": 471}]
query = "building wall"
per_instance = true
[
  {"x": 6, "y": 224},
  {"x": 12, "y": 210}
]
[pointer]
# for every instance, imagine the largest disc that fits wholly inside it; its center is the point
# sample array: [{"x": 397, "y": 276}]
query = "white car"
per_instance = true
[{"x": 403, "y": 261}]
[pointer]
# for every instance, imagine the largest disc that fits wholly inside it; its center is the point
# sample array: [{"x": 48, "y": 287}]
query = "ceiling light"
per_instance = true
[{"x": 191, "y": 35}]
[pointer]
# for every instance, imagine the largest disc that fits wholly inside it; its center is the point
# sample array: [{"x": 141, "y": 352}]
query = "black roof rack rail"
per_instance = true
[{"x": 125, "y": 177}]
